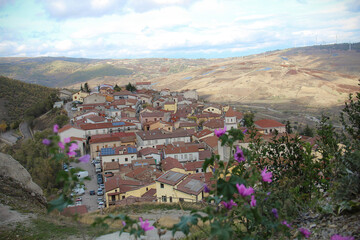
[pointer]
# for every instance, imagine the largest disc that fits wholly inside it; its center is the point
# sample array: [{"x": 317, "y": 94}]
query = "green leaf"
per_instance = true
[
  {"x": 185, "y": 224},
  {"x": 227, "y": 189},
  {"x": 221, "y": 231},
  {"x": 59, "y": 203}
]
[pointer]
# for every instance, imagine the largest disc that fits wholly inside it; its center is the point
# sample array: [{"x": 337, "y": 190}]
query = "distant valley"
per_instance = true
[{"x": 317, "y": 76}]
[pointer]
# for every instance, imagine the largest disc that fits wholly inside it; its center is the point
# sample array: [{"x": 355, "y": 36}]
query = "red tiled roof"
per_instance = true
[
  {"x": 214, "y": 123},
  {"x": 188, "y": 124},
  {"x": 91, "y": 126},
  {"x": 192, "y": 166},
  {"x": 95, "y": 118},
  {"x": 115, "y": 182},
  {"x": 118, "y": 102},
  {"x": 191, "y": 186},
  {"x": 66, "y": 127},
  {"x": 211, "y": 141},
  {"x": 69, "y": 211},
  {"x": 171, "y": 149},
  {"x": 152, "y": 114},
  {"x": 204, "y": 154},
  {"x": 147, "y": 151},
  {"x": 77, "y": 139},
  {"x": 111, "y": 166},
  {"x": 203, "y": 133},
  {"x": 158, "y": 134},
  {"x": 170, "y": 163},
  {"x": 137, "y": 171},
  {"x": 149, "y": 193},
  {"x": 268, "y": 123},
  {"x": 171, "y": 178},
  {"x": 143, "y": 162}
]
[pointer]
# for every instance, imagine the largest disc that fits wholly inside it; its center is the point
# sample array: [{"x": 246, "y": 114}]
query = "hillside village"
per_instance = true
[{"x": 148, "y": 145}]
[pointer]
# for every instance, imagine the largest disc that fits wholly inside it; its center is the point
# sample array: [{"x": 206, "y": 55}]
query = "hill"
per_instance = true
[
  {"x": 19, "y": 99},
  {"x": 62, "y": 71},
  {"x": 318, "y": 76}
]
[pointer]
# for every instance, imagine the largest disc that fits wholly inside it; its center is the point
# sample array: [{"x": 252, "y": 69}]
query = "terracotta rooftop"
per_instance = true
[
  {"x": 171, "y": 149},
  {"x": 69, "y": 211},
  {"x": 214, "y": 123},
  {"x": 211, "y": 141},
  {"x": 113, "y": 137},
  {"x": 143, "y": 162},
  {"x": 147, "y": 151},
  {"x": 66, "y": 127},
  {"x": 152, "y": 114},
  {"x": 204, "y": 154},
  {"x": 91, "y": 126},
  {"x": 95, "y": 118},
  {"x": 187, "y": 124},
  {"x": 170, "y": 163},
  {"x": 158, "y": 134},
  {"x": 111, "y": 166},
  {"x": 190, "y": 186},
  {"x": 203, "y": 133},
  {"x": 268, "y": 123},
  {"x": 171, "y": 178},
  {"x": 115, "y": 182},
  {"x": 192, "y": 166},
  {"x": 150, "y": 193}
]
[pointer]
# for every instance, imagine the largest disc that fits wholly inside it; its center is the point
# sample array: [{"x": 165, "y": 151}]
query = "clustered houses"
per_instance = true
[{"x": 151, "y": 145}]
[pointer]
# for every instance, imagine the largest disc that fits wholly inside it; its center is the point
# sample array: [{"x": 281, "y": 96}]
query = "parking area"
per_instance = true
[{"x": 90, "y": 201}]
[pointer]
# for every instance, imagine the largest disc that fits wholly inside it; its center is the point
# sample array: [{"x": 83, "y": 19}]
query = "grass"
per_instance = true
[{"x": 48, "y": 228}]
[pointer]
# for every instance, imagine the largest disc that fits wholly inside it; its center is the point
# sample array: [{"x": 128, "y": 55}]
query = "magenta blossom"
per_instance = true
[
  {"x": 339, "y": 237},
  {"x": 124, "y": 223},
  {"x": 73, "y": 147},
  {"x": 253, "y": 201},
  {"x": 244, "y": 131},
  {"x": 305, "y": 232},
  {"x": 71, "y": 154},
  {"x": 46, "y": 141},
  {"x": 61, "y": 145},
  {"x": 85, "y": 158},
  {"x": 229, "y": 204},
  {"x": 266, "y": 176},
  {"x": 243, "y": 191},
  {"x": 239, "y": 155},
  {"x": 286, "y": 224},
  {"x": 275, "y": 212},
  {"x": 145, "y": 225},
  {"x": 56, "y": 128},
  {"x": 219, "y": 132},
  {"x": 67, "y": 140}
]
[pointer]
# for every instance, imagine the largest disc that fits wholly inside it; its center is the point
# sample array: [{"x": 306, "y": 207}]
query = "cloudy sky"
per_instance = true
[{"x": 171, "y": 28}]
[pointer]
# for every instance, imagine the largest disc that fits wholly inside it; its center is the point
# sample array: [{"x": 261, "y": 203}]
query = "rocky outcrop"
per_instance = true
[{"x": 12, "y": 170}]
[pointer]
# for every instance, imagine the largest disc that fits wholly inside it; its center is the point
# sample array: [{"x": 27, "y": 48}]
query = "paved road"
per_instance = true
[
  {"x": 89, "y": 201},
  {"x": 67, "y": 107},
  {"x": 24, "y": 129}
]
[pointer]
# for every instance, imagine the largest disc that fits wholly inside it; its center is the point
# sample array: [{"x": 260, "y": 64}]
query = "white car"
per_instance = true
[
  {"x": 101, "y": 205},
  {"x": 74, "y": 108}
]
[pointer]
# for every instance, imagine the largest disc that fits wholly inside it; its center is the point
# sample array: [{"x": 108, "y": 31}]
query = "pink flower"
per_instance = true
[
  {"x": 239, "y": 155},
  {"x": 244, "y": 131},
  {"x": 145, "y": 225},
  {"x": 46, "y": 141},
  {"x": 67, "y": 140},
  {"x": 85, "y": 158},
  {"x": 61, "y": 145},
  {"x": 253, "y": 201},
  {"x": 73, "y": 147},
  {"x": 275, "y": 212},
  {"x": 124, "y": 223},
  {"x": 229, "y": 204},
  {"x": 219, "y": 132},
  {"x": 243, "y": 191},
  {"x": 286, "y": 224},
  {"x": 339, "y": 237},
  {"x": 56, "y": 128},
  {"x": 266, "y": 176},
  {"x": 305, "y": 232},
  {"x": 71, "y": 154}
]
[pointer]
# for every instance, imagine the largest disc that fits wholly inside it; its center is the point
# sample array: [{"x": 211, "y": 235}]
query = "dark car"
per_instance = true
[
  {"x": 92, "y": 192},
  {"x": 100, "y": 180}
]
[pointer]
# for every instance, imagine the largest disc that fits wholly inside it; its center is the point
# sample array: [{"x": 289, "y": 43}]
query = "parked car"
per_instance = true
[
  {"x": 74, "y": 108},
  {"x": 83, "y": 174},
  {"x": 101, "y": 205},
  {"x": 79, "y": 199},
  {"x": 78, "y": 203},
  {"x": 102, "y": 185},
  {"x": 100, "y": 180},
  {"x": 92, "y": 192},
  {"x": 98, "y": 170},
  {"x": 100, "y": 192}
]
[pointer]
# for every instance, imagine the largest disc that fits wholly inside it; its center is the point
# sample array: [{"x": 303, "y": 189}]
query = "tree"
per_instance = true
[
  {"x": 117, "y": 88},
  {"x": 86, "y": 87},
  {"x": 249, "y": 119},
  {"x": 288, "y": 127},
  {"x": 308, "y": 131},
  {"x": 130, "y": 87},
  {"x": 3, "y": 126}
]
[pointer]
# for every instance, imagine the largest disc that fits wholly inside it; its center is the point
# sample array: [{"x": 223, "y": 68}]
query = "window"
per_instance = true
[
  {"x": 170, "y": 199},
  {"x": 113, "y": 160},
  {"x": 163, "y": 198},
  {"x": 97, "y": 148},
  {"x": 147, "y": 189},
  {"x": 123, "y": 197},
  {"x": 181, "y": 199},
  {"x": 191, "y": 156},
  {"x": 161, "y": 185},
  {"x": 126, "y": 159},
  {"x": 155, "y": 119}
]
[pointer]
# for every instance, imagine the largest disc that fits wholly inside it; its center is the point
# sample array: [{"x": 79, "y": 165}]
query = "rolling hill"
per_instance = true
[{"x": 318, "y": 76}]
